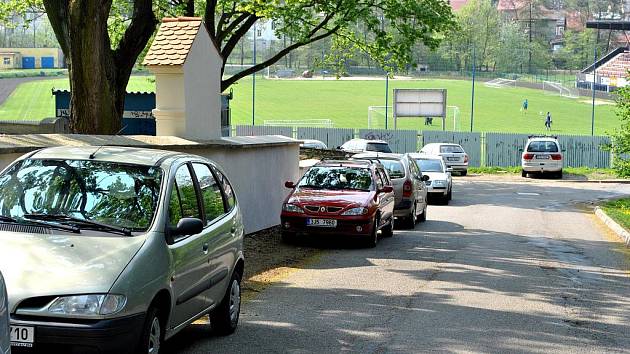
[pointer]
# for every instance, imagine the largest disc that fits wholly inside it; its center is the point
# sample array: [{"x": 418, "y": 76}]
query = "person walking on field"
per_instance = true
[
  {"x": 548, "y": 121},
  {"x": 525, "y": 104}
]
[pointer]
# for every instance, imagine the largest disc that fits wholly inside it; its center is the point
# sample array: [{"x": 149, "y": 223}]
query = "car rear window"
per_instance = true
[
  {"x": 394, "y": 168},
  {"x": 378, "y": 147},
  {"x": 427, "y": 165},
  {"x": 449, "y": 149},
  {"x": 542, "y": 146},
  {"x": 337, "y": 177}
]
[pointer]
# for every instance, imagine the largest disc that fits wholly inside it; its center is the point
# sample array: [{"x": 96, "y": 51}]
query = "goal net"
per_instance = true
[
  {"x": 500, "y": 83},
  {"x": 376, "y": 118},
  {"x": 558, "y": 89}
]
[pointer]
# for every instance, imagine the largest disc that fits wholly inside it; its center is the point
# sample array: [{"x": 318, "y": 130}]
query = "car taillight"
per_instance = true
[
  {"x": 465, "y": 158},
  {"x": 556, "y": 157},
  {"x": 407, "y": 188},
  {"x": 528, "y": 156}
]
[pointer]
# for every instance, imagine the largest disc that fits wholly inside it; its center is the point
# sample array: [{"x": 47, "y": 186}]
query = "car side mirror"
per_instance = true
[
  {"x": 386, "y": 189},
  {"x": 289, "y": 184},
  {"x": 425, "y": 178},
  {"x": 187, "y": 227}
]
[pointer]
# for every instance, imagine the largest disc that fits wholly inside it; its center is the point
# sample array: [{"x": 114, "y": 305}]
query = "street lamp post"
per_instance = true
[
  {"x": 254, "y": 82},
  {"x": 593, "y": 89},
  {"x": 472, "y": 101}
]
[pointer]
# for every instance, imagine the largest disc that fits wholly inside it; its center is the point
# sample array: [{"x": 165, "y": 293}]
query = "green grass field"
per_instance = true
[{"x": 347, "y": 102}]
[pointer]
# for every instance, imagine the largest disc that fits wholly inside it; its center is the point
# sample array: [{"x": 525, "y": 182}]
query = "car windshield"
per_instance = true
[
  {"x": 429, "y": 165},
  {"x": 110, "y": 193},
  {"x": 542, "y": 146},
  {"x": 328, "y": 177},
  {"x": 449, "y": 149},
  {"x": 394, "y": 168},
  {"x": 378, "y": 147}
]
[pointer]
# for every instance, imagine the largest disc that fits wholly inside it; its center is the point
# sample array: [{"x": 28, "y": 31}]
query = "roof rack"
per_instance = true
[
  {"x": 368, "y": 159},
  {"x": 542, "y": 136}
]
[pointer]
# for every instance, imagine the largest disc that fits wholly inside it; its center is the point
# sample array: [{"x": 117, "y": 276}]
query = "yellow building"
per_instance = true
[{"x": 31, "y": 58}]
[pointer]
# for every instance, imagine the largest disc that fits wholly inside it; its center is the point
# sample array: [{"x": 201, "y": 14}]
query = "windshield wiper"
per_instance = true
[
  {"x": 67, "y": 218},
  {"x": 7, "y": 218},
  {"x": 73, "y": 229}
]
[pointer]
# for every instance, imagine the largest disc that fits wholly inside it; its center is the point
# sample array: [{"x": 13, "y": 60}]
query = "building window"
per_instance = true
[{"x": 7, "y": 61}]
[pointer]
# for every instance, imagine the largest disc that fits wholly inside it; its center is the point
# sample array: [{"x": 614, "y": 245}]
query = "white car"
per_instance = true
[
  {"x": 440, "y": 183},
  {"x": 363, "y": 145},
  {"x": 453, "y": 155},
  {"x": 5, "y": 341},
  {"x": 542, "y": 154},
  {"x": 313, "y": 144}
]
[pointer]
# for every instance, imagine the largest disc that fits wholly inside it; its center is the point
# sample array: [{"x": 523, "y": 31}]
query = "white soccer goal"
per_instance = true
[
  {"x": 558, "y": 89},
  {"x": 500, "y": 83},
  {"x": 323, "y": 123},
  {"x": 376, "y": 118}
]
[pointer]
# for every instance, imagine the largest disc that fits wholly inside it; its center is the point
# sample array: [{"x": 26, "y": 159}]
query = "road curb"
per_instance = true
[
  {"x": 618, "y": 181},
  {"x": 613, "y": 225}
]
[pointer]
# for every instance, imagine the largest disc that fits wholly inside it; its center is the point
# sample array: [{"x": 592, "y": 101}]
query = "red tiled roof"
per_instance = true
[
  {"x": 173, "y": 41},
  {"x": 511, "y": 5},
  {"x": 457, "y": 4}
]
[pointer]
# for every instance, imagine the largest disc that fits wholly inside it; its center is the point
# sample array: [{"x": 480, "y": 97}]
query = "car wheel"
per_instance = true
[
  {"x": 423, "y": 216},
  {"x": 523, "y": 174},
  {"x": 412, "y": 219},
  {"x": 449, "y": 196},
  {"x": 559, "y": 174},
  {"x": 372, "y": 239},
  {"x": 388, "y": 231},
  {"x": 464, "y": 172},
  {"x": 152, "y": 333},
  {"x": 224, "y": 318}
]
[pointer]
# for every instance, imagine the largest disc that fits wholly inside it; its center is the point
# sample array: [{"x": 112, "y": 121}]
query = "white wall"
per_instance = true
[{"x": 202, "y": 88}]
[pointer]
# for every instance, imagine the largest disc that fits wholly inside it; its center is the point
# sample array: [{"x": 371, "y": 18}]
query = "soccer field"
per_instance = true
[{"x": 346, "y": 103}]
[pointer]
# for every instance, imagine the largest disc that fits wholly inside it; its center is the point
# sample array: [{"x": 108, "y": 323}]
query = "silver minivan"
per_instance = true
[
  {"x": 116, "y": 249},
  {"x": 5, "y": 347}
]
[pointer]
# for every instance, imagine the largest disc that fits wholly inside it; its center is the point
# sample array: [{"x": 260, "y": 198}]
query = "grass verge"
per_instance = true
[
  {"x": 584, "y": 172},
  {"x": 619, "y": 210}
]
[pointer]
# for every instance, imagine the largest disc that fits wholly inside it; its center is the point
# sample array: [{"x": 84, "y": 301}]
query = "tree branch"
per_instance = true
[
  {"x": 229, "y": 81},
  {"x": 57, "y": 11},
  {"x": 240, "y": 32},
  {"x": 208, "y": 16},
  {"x": 221, "y": 34}
]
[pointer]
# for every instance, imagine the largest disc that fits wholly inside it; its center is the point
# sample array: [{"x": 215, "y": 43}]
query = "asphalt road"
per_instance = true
[{"x": 507, "y": 267}]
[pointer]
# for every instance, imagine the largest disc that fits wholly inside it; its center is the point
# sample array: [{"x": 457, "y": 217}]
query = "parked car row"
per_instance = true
[{"x": 114, "y": 250}]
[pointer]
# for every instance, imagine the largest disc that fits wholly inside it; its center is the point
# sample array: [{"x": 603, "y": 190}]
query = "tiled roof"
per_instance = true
[
  {"x": 457, "y": 4},
  {"x": 173, "y": 41}
]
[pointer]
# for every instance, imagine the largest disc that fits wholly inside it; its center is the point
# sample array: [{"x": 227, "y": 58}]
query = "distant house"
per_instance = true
[
  {"x": 548, "y": 25},
  {"x": 456, "y": 5},
  {"x": 31, "y": 58}
]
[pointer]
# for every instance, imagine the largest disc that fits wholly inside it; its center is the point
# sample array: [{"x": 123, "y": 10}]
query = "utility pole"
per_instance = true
[
  {"x": 593, "y": 87},
  {"x": 254, "y": 81},
  {"x": 529, "y": 63},
  {"x": 472, "y": 101}
]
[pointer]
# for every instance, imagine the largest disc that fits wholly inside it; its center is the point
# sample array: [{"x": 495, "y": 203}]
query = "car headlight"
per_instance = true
[
  {"x": 356, "y": 211},
  {"x": 441, "y": 183},
  {"x": 292, "y": 208},
  {"x": 88, "y": 305}
]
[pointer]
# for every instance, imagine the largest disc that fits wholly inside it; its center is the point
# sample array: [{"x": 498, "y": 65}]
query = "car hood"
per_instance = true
[
  {"x": 342, "y": 198},
  {"x": 50, "y": 265},
  {"x": 435, "y": 176}
]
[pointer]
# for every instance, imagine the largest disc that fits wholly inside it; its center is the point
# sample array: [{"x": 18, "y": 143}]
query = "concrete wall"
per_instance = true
[
  {"x": 45, "y": 126},
  {"x": 202, "y": 81},
  {"x": 256, "y": 166},
  {"x": 38, "y": 53}
]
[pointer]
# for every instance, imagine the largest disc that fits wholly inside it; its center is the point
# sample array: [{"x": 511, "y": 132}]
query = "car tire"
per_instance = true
[
  {"x": 224, "y": 318},
  {"x": 388, "y": 231},
  {"x": 523, "y": 174},
  {"x": 412, "y": 218},
  {"x": 559, "y": 175},
  {"x": 152, "y": 333},
  {"x": 287, "y": 237},
  {"x": 449, "y": 195},
  {"x": 423, "y": 216},
  {"x": 464, "y": 173},
  {"x": 372, "y": 239}
]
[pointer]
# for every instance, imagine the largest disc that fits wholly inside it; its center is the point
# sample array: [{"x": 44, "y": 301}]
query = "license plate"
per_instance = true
[
  {"x": 542, "y": 157},
  {"x": 321, "y": 222},
  {"x": 22, "y": 336},
  {"x": 452, "y": 158}
]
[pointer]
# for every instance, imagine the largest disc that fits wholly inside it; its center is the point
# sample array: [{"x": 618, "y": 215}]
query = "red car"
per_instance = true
[{"x": 340, "y": 198}]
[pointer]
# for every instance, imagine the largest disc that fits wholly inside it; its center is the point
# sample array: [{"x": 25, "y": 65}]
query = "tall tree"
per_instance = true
[
  {"x": 308, "y": 21},
  {"x": 98, "y": 73}
]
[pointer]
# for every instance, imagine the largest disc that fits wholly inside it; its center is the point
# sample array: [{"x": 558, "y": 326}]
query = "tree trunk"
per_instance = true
[{"x": 98, "y": 74}]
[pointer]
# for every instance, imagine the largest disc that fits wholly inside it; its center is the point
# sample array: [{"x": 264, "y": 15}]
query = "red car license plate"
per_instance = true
[{"x": 321, "y": 222}]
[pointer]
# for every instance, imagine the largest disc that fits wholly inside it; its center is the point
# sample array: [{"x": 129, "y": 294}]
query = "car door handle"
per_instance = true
[{"x": 205, "y": 248}]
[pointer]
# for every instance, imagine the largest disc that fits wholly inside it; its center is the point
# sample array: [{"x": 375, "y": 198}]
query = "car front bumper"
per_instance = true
[
  {"x": 345, "y": 226},
  {"x": 119, "y": 335}
]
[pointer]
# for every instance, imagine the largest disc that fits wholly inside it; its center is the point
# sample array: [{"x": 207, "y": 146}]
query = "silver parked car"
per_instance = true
[
  {"x": 440, "y": 183},
  {"x": 5, "y": 341},
  {"x": 409, "y": 187},
  {"x": 116, "y": 249},
  {"x": 453, "y": 155},
  {"x": 363, "y": 145}
]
